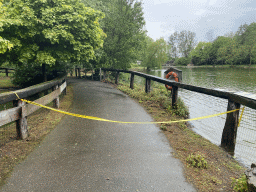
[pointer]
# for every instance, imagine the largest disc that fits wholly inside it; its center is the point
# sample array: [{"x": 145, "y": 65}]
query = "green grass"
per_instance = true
[{"x": 5, "y": 82}]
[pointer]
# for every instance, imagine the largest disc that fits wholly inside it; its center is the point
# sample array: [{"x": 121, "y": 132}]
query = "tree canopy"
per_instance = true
[
  {"x": 155, "y": 53},
  {"x": 50, "y": 31}
]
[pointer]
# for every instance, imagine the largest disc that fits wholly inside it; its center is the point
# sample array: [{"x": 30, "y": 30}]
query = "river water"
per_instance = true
[{"x": 231, "y": 79}]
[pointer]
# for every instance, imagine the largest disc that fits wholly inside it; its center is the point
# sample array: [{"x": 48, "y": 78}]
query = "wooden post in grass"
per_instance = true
[
  {"x": 56, "y": 101},
  {"x": 117, "y": 77},
  {"x": 100, "y": 74},
  {"x": 76, "y": 71},
  {"x": 132, "y": 81},
  {"x": 6, "y": 72},
  {"x": 21, "y": 123},
  {"x": 79, "y": 72},
  {"x": 147, "y": 85},
  {"x": 174, "y": 95},
  {"x": 228, "y": 140}
]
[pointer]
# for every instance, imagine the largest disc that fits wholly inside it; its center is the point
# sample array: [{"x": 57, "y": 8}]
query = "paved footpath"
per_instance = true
[{"x": 86, "y": 155}]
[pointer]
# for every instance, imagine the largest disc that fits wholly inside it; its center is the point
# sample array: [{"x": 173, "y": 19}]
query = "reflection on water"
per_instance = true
[{"x": 231, "y": 79}]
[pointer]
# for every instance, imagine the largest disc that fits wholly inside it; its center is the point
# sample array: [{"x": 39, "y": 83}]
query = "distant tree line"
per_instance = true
[
  {"x": 233, "y": 48},
  {"x": 105, "y": 33}
]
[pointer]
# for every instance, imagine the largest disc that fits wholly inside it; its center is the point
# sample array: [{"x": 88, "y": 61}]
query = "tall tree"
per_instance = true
[
  {"x": 182, "y": 43},
  {"x": 123, "y": 25},
  {"x": 174, "y": 43},
  {"x": 155, "y": 53},
  {"x": 200, "y": 55}
]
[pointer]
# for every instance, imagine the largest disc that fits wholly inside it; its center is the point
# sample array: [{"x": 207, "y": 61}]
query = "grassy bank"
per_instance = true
[
  {"x": 206, "y": 166},
  {"x": 40, "y": 124}
]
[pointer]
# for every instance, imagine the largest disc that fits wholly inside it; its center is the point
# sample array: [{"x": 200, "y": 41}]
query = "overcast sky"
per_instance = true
[{"x": 216, "y": 17}]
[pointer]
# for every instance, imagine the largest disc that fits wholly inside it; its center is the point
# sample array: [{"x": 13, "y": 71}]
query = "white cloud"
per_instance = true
[
  {"x": 212, "y": 2},
  {"x": 163, "y": 17}
]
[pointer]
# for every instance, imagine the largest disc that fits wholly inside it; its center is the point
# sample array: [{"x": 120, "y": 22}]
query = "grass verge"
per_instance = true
[
  {"x": 40, "y": 124},
  {"x": 206, "y": 165},
  {"x": 5, "y": 82}
]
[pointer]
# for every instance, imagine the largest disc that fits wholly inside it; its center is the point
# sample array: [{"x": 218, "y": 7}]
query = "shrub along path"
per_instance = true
[{"x": 86, "y": 155}]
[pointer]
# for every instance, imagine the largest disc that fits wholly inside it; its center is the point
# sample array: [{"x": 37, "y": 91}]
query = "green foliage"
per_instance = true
[
  {"x": 51, "y": 31},
  {"x": 201, "y": 54},
  {"x": 4, "y": 43},
  {"x": 197, "y": 160},
  {"x": 231, "y": 49},
  {"x": 240, "y": 184},
  {"x": 30, "y": 74},
  {"x": 182, "y": 61},
  {"x": 123, "y": 25},
  {"x": 182, "y": 43},
  {"x": 154, "y": 53},
  {"x": 180, "y": 109}
]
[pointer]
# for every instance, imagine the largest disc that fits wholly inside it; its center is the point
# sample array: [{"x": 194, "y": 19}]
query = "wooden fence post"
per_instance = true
[
  {"x": 147, "y": 85},
  {"x": 6, "y": 72},
  {"x": 76, "y": 71},
  {"x": 21, "y": 123},
  {"x": 65, "y": 90},
  {"x": 79, "y": 73},
  {"x": 100, "y": 74},
  {"x": 104, "y": 74},
  {"x": 174, "y": 95},
  {"x": 228, "y": 140},
  {"x": 117, "y": 77},
  {"x": 132, "y": 81},
  {"x": 56, "y": 101}
]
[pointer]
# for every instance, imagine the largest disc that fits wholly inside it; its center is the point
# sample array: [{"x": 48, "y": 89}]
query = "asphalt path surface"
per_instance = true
[{"x": 87, "y": 155}]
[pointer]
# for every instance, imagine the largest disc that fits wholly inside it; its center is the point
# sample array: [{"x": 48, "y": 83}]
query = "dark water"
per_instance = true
[{"x": 232, "y": 79}]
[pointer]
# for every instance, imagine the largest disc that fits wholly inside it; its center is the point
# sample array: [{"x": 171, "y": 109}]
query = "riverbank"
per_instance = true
[
  {"x": 218, "y": 66},
  {"x": 216, "y": 168}
]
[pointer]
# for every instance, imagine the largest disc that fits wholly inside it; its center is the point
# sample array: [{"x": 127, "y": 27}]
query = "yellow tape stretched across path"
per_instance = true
[{"x": 112, "y": 121}]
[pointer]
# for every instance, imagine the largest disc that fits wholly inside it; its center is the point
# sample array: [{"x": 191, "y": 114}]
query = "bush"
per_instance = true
[
  {"x": 197, "y": 160},
  {"x": 31, "y": 74},
  {"x": 182, "y": 61},
  {"x": 240, "y": 184}
]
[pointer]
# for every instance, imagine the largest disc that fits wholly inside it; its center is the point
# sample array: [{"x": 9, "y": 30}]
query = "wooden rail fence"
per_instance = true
[
  {"x": 6, "y": 71},
  {"x": 235, "y": 99},
  {"x": 20, "y": 110}
]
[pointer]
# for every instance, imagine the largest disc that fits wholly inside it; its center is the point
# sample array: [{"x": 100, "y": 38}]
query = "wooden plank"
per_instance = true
[
  {"x": 228, "y": 140},
  {"x": 63, "y": 86},
  {"x": 43, "y": 100},
  {"x": 24, "y": 93},
  {"x": 9, "y": 115}
]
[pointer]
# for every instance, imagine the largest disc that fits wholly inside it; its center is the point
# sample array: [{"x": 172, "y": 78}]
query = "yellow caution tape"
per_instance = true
[
  {"x": 240, "y": 118},
  {"x": 112, "y": 121}
]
